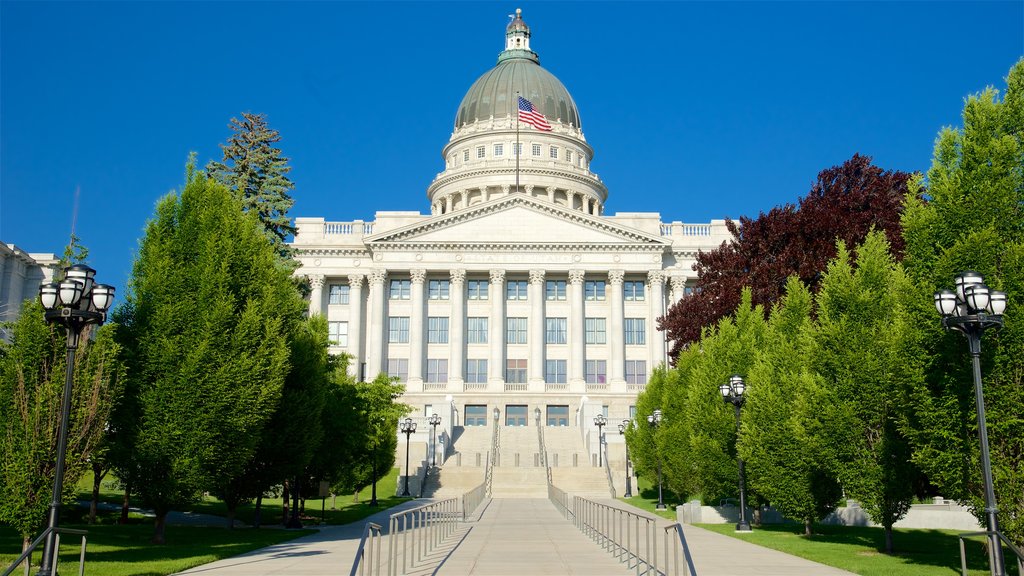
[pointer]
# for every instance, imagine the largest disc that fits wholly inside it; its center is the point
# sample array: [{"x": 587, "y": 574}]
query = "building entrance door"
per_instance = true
[{"x": 515, "y": 415}]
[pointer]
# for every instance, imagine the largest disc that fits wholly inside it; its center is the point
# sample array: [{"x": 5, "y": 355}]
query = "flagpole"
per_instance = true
[{"x": 516, "y": 150}]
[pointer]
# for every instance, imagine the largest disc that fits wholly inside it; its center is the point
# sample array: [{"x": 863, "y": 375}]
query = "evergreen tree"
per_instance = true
[
  {"x": 257, "y": 172},
  {"x": 207, "y": 324},
  {"x": 973, "y": 220}
]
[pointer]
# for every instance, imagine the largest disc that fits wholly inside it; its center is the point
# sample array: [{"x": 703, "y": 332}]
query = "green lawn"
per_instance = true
[{"x": 646, "y": 498}]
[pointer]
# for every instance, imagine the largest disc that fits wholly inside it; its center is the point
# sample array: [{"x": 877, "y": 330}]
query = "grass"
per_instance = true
[
  {"x": 861, "y": 549},
  {"x": 646, "y": 498}
]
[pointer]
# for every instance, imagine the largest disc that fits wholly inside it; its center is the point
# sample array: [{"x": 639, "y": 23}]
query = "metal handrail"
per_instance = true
[
  {"x": 472, "y": 499},
  {"x": 631, "y": 538},
  {"x": 543, "y": 451},
  {"x": 423, "y": 475},
  {"x": 371, "y": 532},
  {"x": 56, "y": 544},
  {"x": 421, "y": 529},
  {"x": 560, "y": 499},
  {"x": 989, "y": 534},
  {"x": 608, "y": 470}
]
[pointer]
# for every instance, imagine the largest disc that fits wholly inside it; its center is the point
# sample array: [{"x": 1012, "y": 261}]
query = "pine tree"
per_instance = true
[{"x": 256, "y": 171}]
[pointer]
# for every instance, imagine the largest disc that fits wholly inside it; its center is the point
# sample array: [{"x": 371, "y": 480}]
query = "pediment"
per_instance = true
[{"x": 517, "y": 220}]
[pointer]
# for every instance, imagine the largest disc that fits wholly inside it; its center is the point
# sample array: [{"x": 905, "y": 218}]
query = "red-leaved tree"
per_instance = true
[{"x": 844, "y": 203}]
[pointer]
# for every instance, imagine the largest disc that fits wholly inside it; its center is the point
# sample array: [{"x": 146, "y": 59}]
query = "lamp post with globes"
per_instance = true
[
  {"x": 74, "y": 303},
  {"x": 600, "y": 421},
  {"x": 408, "y": 427},
  {"x": 622, "y": 430},
  {"x": 732, "y": 393},
  {"x": 434, "y": 421},
  {"x": 972, "y": 309},
  {"x": 654, "y": 420}
]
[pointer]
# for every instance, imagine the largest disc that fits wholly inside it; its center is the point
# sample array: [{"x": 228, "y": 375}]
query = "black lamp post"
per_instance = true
[
  {"x": 971, "y": 310},
  {"x": 408, "y": 427},
  {"x": 629, "y": 484},
  {"x": 654, "y": 420},
  {"x": 75, "y": 302},
  {"x": 434, "y": 421},
  {"x": 600, "y": 421},
  {"x": 732, "y": 393}
]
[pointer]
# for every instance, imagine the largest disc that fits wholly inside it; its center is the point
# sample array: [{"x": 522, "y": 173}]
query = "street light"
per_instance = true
[
  {"x": 732, "y": 393},
  {"x": 600, "y": 421},
  {"x": 971, "y": 310},
  {"x": 622, "y": 430},
  {"x": 75, "y": 302},
  {"x": 408, "y": 427},
  {"x": 654, "y": 420},
  {"x": 434, "y": 421}
]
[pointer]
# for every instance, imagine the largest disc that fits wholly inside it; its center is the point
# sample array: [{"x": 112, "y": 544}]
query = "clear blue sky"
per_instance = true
[{"x": 695, "y": 110}]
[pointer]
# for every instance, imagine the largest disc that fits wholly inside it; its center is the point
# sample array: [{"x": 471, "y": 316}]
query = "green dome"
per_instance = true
[{"x": 494, "y": 93}]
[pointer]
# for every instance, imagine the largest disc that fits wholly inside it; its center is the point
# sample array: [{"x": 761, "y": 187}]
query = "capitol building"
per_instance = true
[{"x": 517, "y": 298}]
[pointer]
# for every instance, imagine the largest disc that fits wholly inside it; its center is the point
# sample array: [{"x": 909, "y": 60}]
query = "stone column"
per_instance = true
[
  {"x": 496, "y": 362},
  {"x": 535, "y": 361},
  {"x": 616, "y": 333},
  {"x": 376, "y": 325},
  {"x": 448, "y": 204},
  {"x": 577, "y": 314},
  {"x": 417, "y": 334},
  {"x": 456, "y": 328},
  {"x": 355, "y": 323},
  {"x": 316, "y": 297},
  {"x": 678, "y": 284},
  {"x": 656, "y": 345}
]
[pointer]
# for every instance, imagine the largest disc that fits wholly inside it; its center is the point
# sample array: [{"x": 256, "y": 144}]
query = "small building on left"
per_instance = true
[{"x": 21, "y": 273}]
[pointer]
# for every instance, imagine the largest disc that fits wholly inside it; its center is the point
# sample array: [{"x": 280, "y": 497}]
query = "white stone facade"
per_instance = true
[{"x": 21, "y": 273}]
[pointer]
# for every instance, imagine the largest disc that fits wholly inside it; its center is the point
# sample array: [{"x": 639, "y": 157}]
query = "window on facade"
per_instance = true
[
  {"x": 517, "y": 149},
  {"x": 632, "y": 411},
  {"x": 515, "y": 330},
  {"x": 476, "y": 415},
  {"x": 437, "y": 330},
  {"x": 555, "y": 330},
  {"x": 398, "y": 329},
  {"x": 554, "y": 371},
  {"x": 568, "y": 155},
  {"x": 595, "y": 331},
  {"x": 558, "y": 415},
  {"x": 553, "y": 152},
  {"x": 399, "y": 290},
  {"x": 515, "y": 290},
  {"x": 536, "y": 149},
  {"x": 465, "y": 155},
  {"x": 398, "y": 368},
  {"x": 337, "y": 333},
  {"x": 636, "y": 334},
  {"x": 438, "y": 289},
  {"x": 476, "y": 289},
  {"x": 636, "y": 371},
  {"x": 499, "y": 149},
  {"x": 515, "y": 371},
  {"x": 633, "y": 291},
  {"x": 480, "y": 151},
  {"x": 476, "y": 330},
  {"x": 594, "y": 290},
  {"x": 554, "y": 290},
  {"x": 476, "y": 371},
  {"x": 596, "y": 372},
  {"x": 338, "y": 294},
  {"x": 437, "y": 369}
]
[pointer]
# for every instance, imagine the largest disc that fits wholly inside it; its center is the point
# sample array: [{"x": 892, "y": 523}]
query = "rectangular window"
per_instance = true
[
  {"x": 480, "y": 151},
  {"x": 437, "y": 369},
  {"x": 633, "y": 291},
  {"x": 554, "y": 290},
  {"x": 594, "y": 290},
  {"x": 636, "y": 334},
  {"x": 515, "y": 330},
  {"x": 553, "y": 152},
  {"x": 554, "y": 371},
  {"x": 558, "y": 415},
  {"x": 476, "y": 330},
  {"x": 338, "y": 294},
  {"x": 476, "y": 371},
  {"x": 398, "y": 329},
  {"x": 398, "y": 368},
  {"x": 515, "y": 290},
  {"x": 465, "y": 155},
  {"x": 636, "y": 371},
  {"x": 517, "y": 148},
  {"x": 597, "y": 372},
  {"x": 515, "y": 371},
  {"x": 555, "y": 331},
  {"x": 337, "y": 333},
  {"x": 476, "y": 290},
  {"x": 438, "y": 289},
  {"x": 399, "y": 290},
  {"x": 568, "y": 155},
  {"x": 595, "y": 331},
  {"x": 437, "y": 330},
  {"x": 499, "y": 149},
  {"x": 536, "y": 149}
]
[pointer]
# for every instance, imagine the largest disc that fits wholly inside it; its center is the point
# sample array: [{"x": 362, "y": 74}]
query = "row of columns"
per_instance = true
[
  {"x": 496, "y": 328},
  {"x": 460, "y": 198}
]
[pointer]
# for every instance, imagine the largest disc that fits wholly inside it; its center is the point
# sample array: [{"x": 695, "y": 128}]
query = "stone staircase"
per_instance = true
[
  {"x": 464, "y": 467},
  {"x": 519, "y": 473},
  {"x": 573, "y": 469}
]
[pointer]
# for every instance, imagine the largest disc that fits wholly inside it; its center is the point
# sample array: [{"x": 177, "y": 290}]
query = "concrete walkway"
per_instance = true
[{"x": 509, "y": 537}]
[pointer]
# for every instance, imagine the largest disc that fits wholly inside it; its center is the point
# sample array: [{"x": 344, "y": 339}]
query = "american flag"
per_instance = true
[{"x": 528, "y": 113}]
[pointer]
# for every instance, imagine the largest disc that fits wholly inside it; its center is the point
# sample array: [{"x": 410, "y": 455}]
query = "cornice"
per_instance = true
[
  {"x": 623, "y": 247},
  {"x": 332, "y": 251},
  {"x": 590, "y": 179}
]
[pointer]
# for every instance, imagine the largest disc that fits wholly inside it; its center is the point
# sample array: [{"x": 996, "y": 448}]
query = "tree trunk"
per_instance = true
[
  {"x": 285, "y": 498},
  {"x": 159, "y": 526},
  {"x": 256, "y": 512},
  {"x": 231, "y": 515},
  {"x": 25, "y": 542},
  {"x": 97, "y": 476},
  {"x": 888, "y": 539},
  {"x": 294, "y": 522},
  {"x": 124, "y": 505},
  {"x": 807, "y": 527},
  {"x": 334, "y": 500}
]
